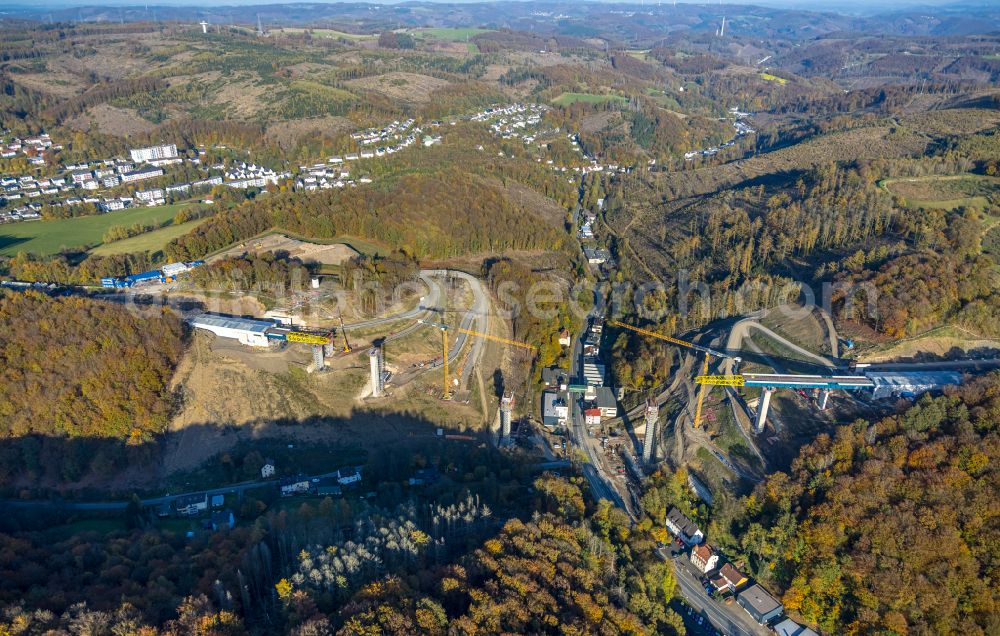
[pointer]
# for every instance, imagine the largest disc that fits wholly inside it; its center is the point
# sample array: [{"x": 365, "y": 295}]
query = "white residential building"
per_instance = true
[{"x": 153, "y": 153}]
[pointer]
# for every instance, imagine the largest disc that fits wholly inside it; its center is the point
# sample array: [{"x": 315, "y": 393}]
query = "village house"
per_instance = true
[
  {"x": 704, "y": 558},
  {"x": 348, "y": 476},
  {"x": 294, "y": 486},
  {"x": 788, "y": 627},
  {"x": 554, "y": 409},
  {"x": 729, "y": 579},
  {"x": 189, "y": 505},
  {"x": 555, "y": 378},
  {"x": 604, "y": 401},
  {"x": 683, "y": 528},
  {"x": 425, "y": 476}
]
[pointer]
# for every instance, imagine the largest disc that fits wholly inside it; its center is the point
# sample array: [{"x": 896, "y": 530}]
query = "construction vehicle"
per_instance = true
[
  {"x": 444, "y": 346},
  {"x": 343, "y": 332},
  {"x": 689, "y": 345}
]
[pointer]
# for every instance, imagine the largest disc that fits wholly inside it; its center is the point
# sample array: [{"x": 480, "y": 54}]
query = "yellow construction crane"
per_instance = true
[
  {"x": 343, "y": 332},
  {"x": 308, "y": 338},
  {"x": 683, "y": 343},
  {"x": 720, "y": 380},
  {"x": 444, "y": 346}
]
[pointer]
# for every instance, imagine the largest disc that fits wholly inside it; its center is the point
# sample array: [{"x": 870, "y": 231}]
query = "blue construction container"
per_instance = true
[
  {"x": 144, "y": 276},
  {"x": 109, "y": 282}
]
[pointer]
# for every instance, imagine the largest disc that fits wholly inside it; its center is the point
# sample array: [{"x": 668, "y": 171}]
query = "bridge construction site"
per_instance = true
[
  {"x": 455, "y": 363},
  {"x": 585, "y": 401}
]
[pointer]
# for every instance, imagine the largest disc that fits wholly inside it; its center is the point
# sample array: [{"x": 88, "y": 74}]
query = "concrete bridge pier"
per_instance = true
[
  {"x": 765, "y": 402},
  {"x": 824, "y": 396}
]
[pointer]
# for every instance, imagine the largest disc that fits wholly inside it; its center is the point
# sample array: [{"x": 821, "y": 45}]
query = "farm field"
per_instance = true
[
  {"x": 944, "y": 192},
  {"x": 49, "y": 237},
  {"x": 452, "y": 35},
  {"x": 591, "y": 98},
  {"x": 148, "y": 242},
  {"x": 331, "y": 33}
]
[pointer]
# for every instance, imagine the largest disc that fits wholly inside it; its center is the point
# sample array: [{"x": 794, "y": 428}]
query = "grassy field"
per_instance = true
[
  {"x": 49, "y": 237},
  {"x": 148, "y": 242},
  {"x": 944, "y": 192},
  {"x": 327, "y": 92},
  {"x": 940, "y": 341},
  {"x": 101, "y": 526},
  {"x": 591, "y": 98},
  {"x": 332, "y": 33},
  {"x": 807, "y": 330},
  {"x": 773, "y": 78},
  {"x": 452, "y": 35}
]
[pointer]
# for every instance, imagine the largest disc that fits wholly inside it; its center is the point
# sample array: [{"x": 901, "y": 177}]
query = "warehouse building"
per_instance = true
[
  {"x": 554, "y": 409},
  {"x": 593, "y": 373},
  {"x": 759, "y": 604},
  {"x": 788, "y": 627},
  {"x": 249, "y": 332},
  {"x": 909, "y": 384}
]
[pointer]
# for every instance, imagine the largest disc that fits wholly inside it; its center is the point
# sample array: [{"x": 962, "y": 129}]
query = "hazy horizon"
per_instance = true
[{"x": 798, "y": 4}]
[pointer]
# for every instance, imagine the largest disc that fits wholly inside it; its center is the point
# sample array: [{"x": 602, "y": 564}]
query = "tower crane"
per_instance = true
[
  {"x": 444, "y": 346},
  {"x": 689, "y": 345}
]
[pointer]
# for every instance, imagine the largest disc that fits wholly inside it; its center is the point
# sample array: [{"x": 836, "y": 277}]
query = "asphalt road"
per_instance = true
[
  {"x": 478, "y": 313},
  {"x": 730, "y": 620},
  {"x": 740, "y": 330},
  {"x": 152, "y": 501},
  {"x": 432, "y": 299},
  {"x": 600, "y": 484}
]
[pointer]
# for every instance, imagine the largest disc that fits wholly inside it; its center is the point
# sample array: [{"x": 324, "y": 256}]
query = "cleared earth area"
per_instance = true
[{"x": 309, "y": 252}]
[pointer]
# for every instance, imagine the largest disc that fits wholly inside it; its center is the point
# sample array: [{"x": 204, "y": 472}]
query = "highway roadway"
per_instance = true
[
  {"x": 478, "y": 313},
  {"x": 740, "y": 330}
]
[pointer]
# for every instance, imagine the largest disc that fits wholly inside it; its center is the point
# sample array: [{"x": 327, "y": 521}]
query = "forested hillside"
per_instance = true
[
  {"x": 889, "y": 526},
  {"x": 428, "y": 216},
  {"x": 74, "y": 375},
  {"x": 837, "y": 224},
  {"x": 349, "y": 568},
  {"x": 566, "y": 570}
]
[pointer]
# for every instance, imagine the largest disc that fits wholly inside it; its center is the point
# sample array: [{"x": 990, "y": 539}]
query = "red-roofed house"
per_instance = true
[
  {"x": 703, "y": 558},
  {"x": 729, "y": 578}
]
